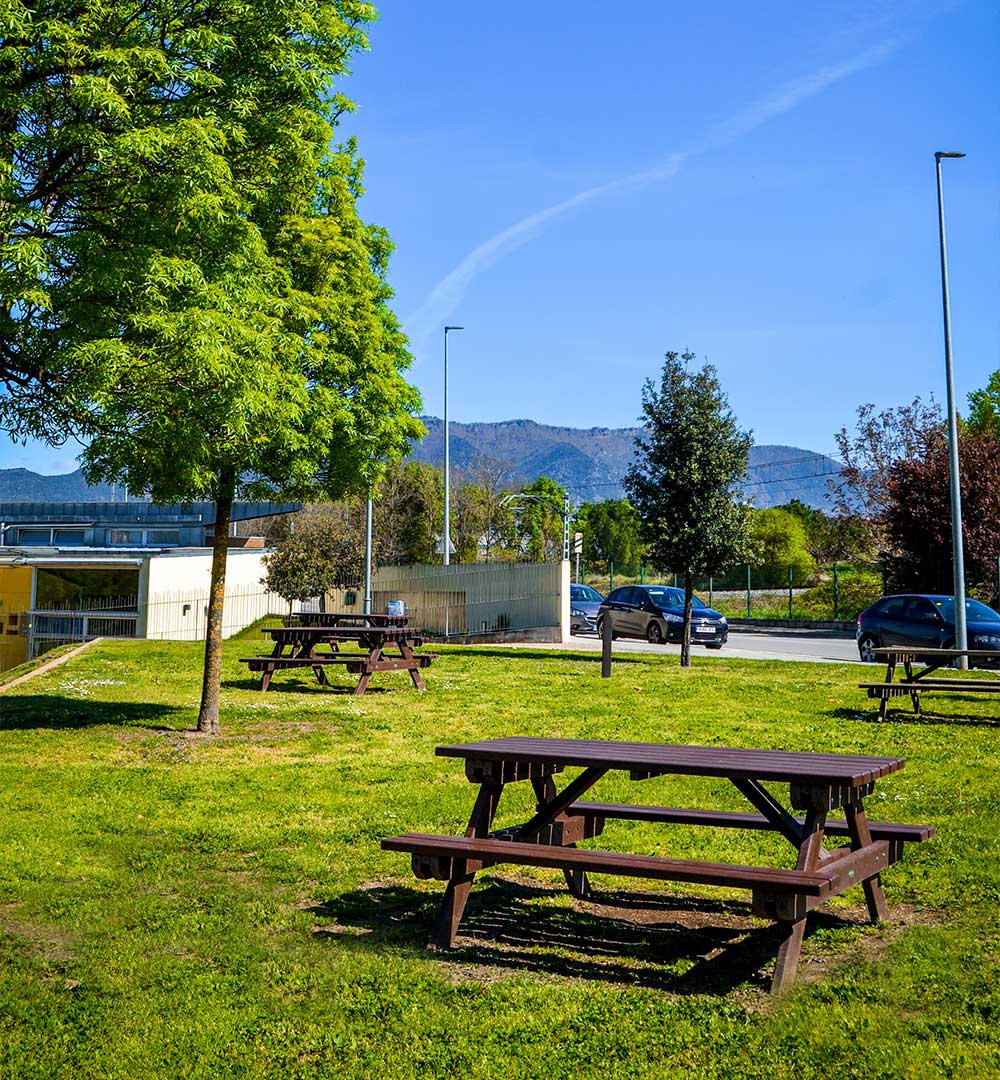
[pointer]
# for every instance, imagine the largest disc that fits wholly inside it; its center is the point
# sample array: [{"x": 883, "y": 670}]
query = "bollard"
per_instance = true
[{"x": 606, "y": 648}]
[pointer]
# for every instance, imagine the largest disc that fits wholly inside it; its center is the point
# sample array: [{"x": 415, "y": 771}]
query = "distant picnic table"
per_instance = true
[
  {"x": 818, "y": 783},
  {"x": 316, "y": 641},
  {"x": 916, "y": 682}
]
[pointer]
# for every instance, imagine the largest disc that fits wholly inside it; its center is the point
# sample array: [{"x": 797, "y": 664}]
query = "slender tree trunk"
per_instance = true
[
  {"x": 208, "y": 714},
  {"x": 686, "y": 636}
]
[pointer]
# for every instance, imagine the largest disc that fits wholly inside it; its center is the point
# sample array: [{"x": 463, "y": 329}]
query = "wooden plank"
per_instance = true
[
  {"x": 655, "y": 758},
  {"x": 724, "y": 819},
  {"x": 479, "y": 853}
]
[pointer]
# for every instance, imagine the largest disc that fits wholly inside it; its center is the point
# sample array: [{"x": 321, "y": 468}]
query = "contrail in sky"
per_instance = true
[{"x": 445, "y": 297}]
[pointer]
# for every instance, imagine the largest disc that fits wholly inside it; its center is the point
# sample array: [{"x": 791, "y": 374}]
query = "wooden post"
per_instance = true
[{"x": 606, "y": 646}]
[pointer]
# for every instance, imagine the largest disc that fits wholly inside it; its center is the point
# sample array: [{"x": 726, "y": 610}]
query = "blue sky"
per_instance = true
[{"x": 584, "y": 187}]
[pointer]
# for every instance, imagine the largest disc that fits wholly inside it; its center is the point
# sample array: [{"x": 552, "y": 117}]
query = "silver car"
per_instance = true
[{"x": 583, "y": 604}]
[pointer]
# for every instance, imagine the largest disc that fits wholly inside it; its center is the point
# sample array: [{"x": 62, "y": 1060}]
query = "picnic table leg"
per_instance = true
[
  {"x": 914, "y": 694},
  {"x": 367, "y": 667},
  {"x": 265, "y": 678},
  {"x": 857, "y": 824},
  {"x": 456, "y": 894},
  {"x": 406, "y": 652},
  {"x": 576, "y": 880},
  {"x": 810, "y": 854}
]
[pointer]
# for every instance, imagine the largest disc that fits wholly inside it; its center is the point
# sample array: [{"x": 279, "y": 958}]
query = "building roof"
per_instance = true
[{"x": 88, "y": 513}]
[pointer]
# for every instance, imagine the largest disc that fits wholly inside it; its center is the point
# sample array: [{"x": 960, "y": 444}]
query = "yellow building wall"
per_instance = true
[{"x": 15, "y": 600}]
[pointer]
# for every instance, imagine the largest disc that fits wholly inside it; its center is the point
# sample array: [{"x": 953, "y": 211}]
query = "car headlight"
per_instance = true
[
  {"x": 673, "y": 618},
  {"x": 578, "y": 613},
  {"x": 722, "y": 621}
]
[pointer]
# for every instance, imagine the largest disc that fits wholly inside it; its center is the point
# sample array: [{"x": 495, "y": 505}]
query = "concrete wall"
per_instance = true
[
  {"x": 176, "y": 608},
  {"x": 15, "y": 600}
]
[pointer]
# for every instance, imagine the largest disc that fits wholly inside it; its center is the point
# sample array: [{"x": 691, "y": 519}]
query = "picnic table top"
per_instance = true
[
  {"x": 794, "y": 766},
  {"x": 347, "y": 618},
  {"x": 927, "y": 650},
  {"x": 341, "y": 633}
]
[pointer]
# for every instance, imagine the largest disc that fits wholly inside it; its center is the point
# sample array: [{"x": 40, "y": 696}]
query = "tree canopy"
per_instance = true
[
  {"x": 690, "y": 460},
  {"x": 185, "y": 281}
]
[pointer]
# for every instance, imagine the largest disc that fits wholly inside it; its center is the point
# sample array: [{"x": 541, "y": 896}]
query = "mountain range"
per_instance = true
[
  {"x": 591, "y": 462},
  {"x": 588, "y": 462}
]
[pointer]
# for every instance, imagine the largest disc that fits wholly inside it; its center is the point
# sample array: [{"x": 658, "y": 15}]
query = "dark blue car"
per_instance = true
[
  {"x": 656, "y": 613},
  {"x": 923, "y": 619}
]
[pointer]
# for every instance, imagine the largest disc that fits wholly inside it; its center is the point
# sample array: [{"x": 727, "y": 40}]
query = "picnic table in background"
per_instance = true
[
  {"x": 914, "y": 683},
  {"x": 818, "y": 783},
  {"x": 308, "y": 645}
]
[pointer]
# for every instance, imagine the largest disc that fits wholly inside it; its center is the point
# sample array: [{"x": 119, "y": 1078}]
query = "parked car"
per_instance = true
[
  {"x": 583, "y": 604},
  {"x": 924, "y": 619},
  {"x": 656, "y": 612}
]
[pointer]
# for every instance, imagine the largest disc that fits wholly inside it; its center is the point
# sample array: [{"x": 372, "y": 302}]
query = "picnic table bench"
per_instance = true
[
  {"x": 818, "y": 783},
  {"x": 318, "y": 646},
  {"x": 913, "y": 683}
]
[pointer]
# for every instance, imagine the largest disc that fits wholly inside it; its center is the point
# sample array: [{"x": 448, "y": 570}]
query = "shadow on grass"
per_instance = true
[
  {"x": 24, "y": 712},
  {"x": 550, "y": 654},
  {"x": 308, "y": 686},
  {"x": 902, "y": 716},
  {"x": 681, "y": 945}
]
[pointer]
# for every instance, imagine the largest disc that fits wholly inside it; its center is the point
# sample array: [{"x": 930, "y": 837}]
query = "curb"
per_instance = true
[{"x": 43, "y": 668}]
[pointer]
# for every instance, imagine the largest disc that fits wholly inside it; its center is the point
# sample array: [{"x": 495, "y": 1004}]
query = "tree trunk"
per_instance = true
[
  {"x": 686, "y": 636},
  {"x": 208, "y": 714}
]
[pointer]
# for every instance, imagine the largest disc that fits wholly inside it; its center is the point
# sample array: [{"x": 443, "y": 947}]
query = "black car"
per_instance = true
[
  {"x": 583, "y": 604},
  {"x": 923, "y": 619},
  {"x": 656, "y": 613}
]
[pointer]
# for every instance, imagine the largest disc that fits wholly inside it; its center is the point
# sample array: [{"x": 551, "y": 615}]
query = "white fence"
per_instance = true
[{"x": 183, "y": 615}]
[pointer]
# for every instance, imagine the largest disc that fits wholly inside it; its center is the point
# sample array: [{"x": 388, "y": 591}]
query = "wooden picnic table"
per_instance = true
[
  {"x": 915, "y": 682},
  {"x": 818, "y": 783},
  {"x": 317, "y": 646}
]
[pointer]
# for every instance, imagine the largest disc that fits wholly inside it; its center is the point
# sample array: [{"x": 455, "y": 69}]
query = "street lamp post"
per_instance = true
[
  {"x": 957, "y": 552},
  {"x": 446, "y": 542}
]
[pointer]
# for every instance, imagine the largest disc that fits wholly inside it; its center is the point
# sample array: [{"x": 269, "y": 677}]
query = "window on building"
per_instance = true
[
  {"x": 68, "y": 537},
  {"x": 129, "y": 537},
  {"x": 163, "y": 537},
  {"x": 34, "y": 537}
]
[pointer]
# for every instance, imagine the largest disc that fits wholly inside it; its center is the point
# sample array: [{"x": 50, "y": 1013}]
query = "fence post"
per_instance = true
[
  {"x": 836, "y": 592},
  {"x": 749, "y": 606},
  {"x": 611, "y": 575},
  {"x": 791, "y": 610}
]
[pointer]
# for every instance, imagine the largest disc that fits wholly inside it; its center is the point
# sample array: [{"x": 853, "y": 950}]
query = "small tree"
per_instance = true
[
  {"x": 690, "y": 461},
  {"x": 879, "y": 440},
  {"x": 539, "y": 515},
  {"x": 320, "y": 548}
]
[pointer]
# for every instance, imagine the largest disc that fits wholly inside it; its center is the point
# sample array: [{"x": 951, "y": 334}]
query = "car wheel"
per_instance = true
[
  {"x": 600, "y": 630},
  {"x": 866, "y": 648},
  {"x": 654, "y": 635}
]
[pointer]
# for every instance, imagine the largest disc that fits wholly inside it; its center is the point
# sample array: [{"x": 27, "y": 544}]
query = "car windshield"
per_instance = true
[
  {"x": 974, "y": 610},
  {"x": 583, "y": 594},
  {"x": 672, "y": 599}
]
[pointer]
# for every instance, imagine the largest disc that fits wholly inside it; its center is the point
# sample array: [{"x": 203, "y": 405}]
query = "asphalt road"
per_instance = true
[{"x": 821, "y": 647}]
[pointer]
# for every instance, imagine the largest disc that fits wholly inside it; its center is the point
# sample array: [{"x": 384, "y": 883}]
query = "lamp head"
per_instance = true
[
  {"x": 447, "y": 328},
  {"x": 947, "y": 153}
]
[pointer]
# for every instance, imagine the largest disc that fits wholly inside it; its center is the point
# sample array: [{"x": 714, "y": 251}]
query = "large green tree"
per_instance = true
[
  {"x": 185, "y": 282},
  {"x": 781, "y": 541},
  {"x": 690, "y": 461},
  {"x": 611, "y": 535}
]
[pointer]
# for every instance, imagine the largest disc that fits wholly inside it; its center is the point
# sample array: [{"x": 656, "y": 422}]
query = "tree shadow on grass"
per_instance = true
[
  {"x": 29, "y": 711},
  {"x": 308, "y": 686},
  {"x": 552, "y": 654},
  {"x": 682, "y": 945},
  {"x": 902, "y": 716}
]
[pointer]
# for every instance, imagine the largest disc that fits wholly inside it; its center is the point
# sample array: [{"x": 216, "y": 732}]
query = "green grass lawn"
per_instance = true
[{"x": 172, "y": 905}]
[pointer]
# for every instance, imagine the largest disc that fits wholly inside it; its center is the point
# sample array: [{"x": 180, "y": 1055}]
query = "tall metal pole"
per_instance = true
[
  {"x": 957, "y": 551},
  {"x": 368, "y": 556},
  {"x": 446, "y": 542}
]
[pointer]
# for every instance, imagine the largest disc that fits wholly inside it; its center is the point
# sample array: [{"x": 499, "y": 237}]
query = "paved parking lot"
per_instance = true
[{"x": 820, "y": 647}]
